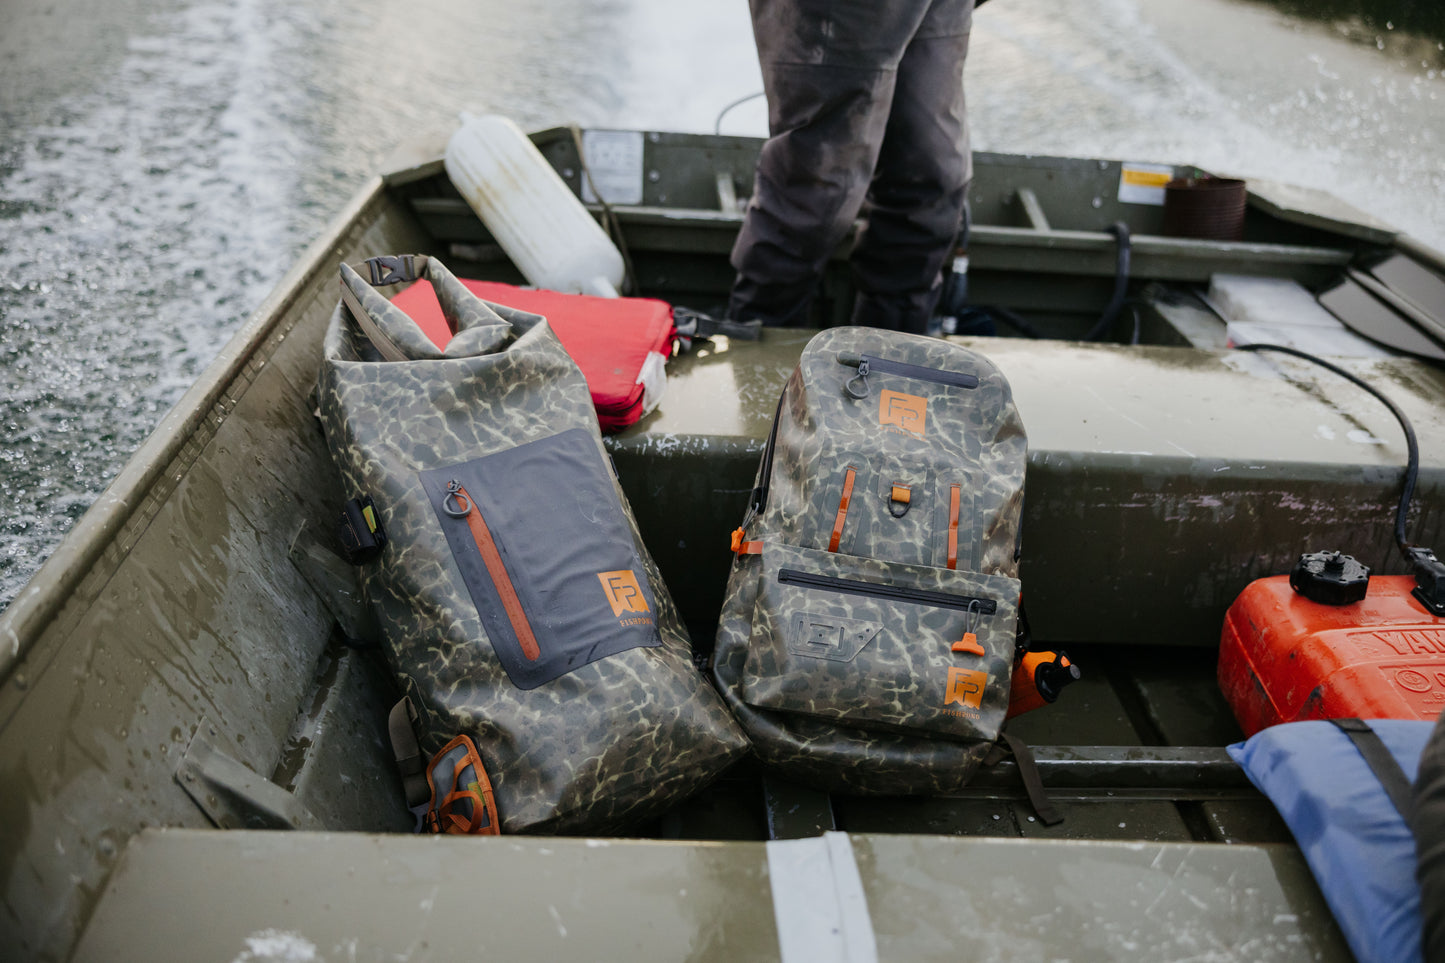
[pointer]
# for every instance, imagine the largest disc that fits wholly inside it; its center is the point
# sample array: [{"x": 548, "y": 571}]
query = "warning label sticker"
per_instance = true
[
  {"x": 615, "y": 159},
  {"x": 1144, "y": 183}
]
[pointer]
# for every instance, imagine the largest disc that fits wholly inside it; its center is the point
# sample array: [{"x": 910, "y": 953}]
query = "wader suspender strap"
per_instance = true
[
  {"x": 382, "y": 271},
  {"x": 1386, "y": 769},
  {"x": 408, "y": 754}
]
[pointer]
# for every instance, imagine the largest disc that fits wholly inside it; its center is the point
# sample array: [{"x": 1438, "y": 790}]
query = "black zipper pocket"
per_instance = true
[
  {"x": 878, "y": 590},
  {"x": 870, "y": 364}
]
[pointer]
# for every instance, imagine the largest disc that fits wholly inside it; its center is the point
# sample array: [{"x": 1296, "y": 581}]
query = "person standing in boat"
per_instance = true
[{"x": 865, "y": 102}]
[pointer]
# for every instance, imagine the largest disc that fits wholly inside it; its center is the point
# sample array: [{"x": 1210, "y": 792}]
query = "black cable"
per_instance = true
[
  {"x": 1120, "y": 230},
  {"x": 1014, "y": 320},
  {"x": 1412, "y": 447},
  {"x": 717, "y": 124}
]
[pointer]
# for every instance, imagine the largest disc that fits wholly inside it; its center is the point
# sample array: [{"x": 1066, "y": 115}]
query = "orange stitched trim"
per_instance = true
[
  {"x": 842, "y": 510},
  {"x": 492, "y": 558},
  {"x": 953, "y": 528}
]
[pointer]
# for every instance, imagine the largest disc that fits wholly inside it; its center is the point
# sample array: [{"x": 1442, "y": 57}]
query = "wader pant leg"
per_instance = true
[
  {"x": 915, "y": 204},
  {"x": 1428, "y": 824},
  {"x": 832, "y": 72}
]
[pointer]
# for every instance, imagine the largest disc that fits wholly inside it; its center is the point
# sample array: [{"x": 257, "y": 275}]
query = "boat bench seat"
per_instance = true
[{"x": 1161, "y": 480}]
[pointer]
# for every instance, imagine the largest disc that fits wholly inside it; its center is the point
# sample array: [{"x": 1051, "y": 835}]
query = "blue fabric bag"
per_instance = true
[{"x": 1357, "y": 844}]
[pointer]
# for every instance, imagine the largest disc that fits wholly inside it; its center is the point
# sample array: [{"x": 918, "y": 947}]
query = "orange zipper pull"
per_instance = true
[{"x": 969, "y": 642}]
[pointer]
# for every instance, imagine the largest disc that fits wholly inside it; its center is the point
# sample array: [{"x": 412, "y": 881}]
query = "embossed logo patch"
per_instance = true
[
  {"x": 623, "y": 592},
  {"x": 907, "y": 413},
  {"x": 830, "y": 636},
  {"x": 965, "y": 686}
]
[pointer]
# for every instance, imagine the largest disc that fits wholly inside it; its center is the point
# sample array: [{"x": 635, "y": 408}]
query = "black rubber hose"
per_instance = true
[
  {"x": 1120, "y": 230},
  {"x": 1014, "y": 320},
  {"x": 1412, "y": 447}
]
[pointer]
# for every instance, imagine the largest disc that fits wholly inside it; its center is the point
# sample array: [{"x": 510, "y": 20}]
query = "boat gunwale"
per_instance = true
[{"x": 38, "y": 604}]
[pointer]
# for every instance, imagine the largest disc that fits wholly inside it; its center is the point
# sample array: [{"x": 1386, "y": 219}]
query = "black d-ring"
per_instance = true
[{"x": 454, "y": 490}]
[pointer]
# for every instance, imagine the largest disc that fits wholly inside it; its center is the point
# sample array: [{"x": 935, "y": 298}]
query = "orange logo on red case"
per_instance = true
[
  {"x": 623, "y": 592},
  {"x": 965, "y": 686},
  {"x": 906, "y": 412}
]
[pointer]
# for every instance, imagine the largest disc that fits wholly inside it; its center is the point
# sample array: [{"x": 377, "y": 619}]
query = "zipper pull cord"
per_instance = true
[
  {"x": 969, "y": 642},
  {"x": 464, "y": 502},
  {"x": 860, "y": 392}
]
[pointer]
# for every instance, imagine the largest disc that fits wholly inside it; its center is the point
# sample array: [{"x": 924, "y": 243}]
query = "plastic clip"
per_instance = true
[{"x": 391, "y": 269}]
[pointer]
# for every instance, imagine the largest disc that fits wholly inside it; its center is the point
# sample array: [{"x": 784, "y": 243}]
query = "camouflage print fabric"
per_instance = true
[
  {"x": 835, "y": 647},
  {"x": 606, "y": 743}
]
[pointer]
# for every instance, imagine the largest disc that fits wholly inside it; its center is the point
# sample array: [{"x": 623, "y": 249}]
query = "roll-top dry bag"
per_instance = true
[{"x": 517, "y": 603}]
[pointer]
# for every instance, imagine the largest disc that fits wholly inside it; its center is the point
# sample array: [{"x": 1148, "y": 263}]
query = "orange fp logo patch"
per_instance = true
[
  {"x": 965, "y": 686},
  {"x": 623, "y": 592},
  {"x": 906, "y": 412}
]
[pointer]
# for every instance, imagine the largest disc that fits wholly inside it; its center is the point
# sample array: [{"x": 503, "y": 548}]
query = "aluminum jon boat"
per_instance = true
[{"x": 175, "y": 690}]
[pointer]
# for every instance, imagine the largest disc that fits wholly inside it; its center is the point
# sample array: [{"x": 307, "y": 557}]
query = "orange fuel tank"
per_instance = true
[{"x": 1284, "y": 658}]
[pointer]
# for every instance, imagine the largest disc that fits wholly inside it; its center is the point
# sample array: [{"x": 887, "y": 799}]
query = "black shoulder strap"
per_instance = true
[{"x": 1386, "y": 769}]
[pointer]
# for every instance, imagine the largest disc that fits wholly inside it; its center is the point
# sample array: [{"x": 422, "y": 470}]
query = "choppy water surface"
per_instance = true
[{"x": 163, "y": 163}]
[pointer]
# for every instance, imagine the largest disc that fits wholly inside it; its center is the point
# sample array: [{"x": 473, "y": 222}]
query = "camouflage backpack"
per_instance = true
[
  {"x": 517, "y": 603},
  {"x": 868, "y": 632}
]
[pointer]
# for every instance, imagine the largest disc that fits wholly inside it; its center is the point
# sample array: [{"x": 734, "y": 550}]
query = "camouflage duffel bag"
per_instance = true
[
  {"x": 517, "y": 603},
  {"x": 868, "y": 633}
]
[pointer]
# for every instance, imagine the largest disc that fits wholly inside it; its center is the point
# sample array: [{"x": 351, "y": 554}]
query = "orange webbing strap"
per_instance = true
[
  {"x": 953, "y": 527},
  {"x": 741, "y": 547},
  {"x": 837, "y": 537},
  {"x": 454, "y": 822},
  {"x": 484, "y": 820}
]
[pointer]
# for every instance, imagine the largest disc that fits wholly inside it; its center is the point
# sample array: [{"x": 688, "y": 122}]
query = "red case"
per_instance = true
[
  {"x": 609, "y": 338},
  {"x": 1283, "y": 658}
]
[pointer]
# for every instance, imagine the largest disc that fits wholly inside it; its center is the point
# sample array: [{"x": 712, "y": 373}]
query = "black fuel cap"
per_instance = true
[{"x": 1330, "y": 578}]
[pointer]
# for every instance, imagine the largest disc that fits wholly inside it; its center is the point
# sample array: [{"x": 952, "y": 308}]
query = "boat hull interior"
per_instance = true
[{"x": 180, "y": 680}]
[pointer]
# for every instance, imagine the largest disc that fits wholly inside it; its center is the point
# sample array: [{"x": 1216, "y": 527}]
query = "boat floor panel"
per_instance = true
[{"x": 922, "y": 898}]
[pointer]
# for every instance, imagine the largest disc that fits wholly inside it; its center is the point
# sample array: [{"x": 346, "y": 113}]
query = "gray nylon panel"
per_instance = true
[{"x": 554, "y": 514}]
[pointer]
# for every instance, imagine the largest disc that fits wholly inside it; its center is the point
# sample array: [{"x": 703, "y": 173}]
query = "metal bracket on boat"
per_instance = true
[
  {"x": 334, "y": 582},
  {"x": 796, "y": 812},
  {"x": 231, "y": 795}
]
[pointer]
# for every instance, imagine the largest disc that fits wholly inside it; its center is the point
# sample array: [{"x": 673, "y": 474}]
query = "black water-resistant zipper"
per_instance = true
[
  {"x": 876, "y": 365},
  {"x": 878, "y": 590}
]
